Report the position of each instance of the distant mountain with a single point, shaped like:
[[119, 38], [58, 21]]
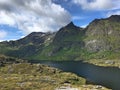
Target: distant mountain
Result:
[[99, 40], [26, 46]]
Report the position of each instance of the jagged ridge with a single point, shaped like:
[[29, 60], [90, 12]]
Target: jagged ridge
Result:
[[99, 40]]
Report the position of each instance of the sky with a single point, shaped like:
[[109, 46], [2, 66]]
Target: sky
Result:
[[19, 18]]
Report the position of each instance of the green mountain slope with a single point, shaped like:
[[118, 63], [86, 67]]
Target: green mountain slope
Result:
[[103, 38], [66, 44], [99, 40], [27, 46]]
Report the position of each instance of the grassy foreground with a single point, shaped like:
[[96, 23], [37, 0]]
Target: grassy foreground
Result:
[[18, 75], [24, 76]]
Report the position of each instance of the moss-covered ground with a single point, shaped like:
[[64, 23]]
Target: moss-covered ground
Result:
[[19, 75]]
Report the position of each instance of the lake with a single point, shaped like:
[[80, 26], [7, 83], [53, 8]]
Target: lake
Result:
[[106, 76]]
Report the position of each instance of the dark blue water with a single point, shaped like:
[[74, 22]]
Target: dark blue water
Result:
[[106, 76]]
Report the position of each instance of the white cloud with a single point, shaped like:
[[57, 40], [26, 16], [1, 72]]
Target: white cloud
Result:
[[33, 15], [98, 4], [6, 19], [3, 34], [113, 13]]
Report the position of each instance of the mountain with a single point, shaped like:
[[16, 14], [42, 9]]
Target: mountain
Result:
[[99, 40], [26, 46], [103, 37]]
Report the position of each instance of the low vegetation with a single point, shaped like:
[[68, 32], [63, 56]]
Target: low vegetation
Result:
[[26, 76]]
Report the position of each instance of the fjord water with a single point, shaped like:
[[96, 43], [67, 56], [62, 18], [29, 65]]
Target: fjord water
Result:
[[106, 76]]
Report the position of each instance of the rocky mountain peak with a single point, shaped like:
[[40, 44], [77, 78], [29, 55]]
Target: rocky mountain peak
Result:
[[103, 34], [68, 27], [70, 24], [115, 18], [36, 34]]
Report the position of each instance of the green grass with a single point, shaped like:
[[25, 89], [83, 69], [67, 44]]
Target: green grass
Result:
[[27, 76], [21, 75]]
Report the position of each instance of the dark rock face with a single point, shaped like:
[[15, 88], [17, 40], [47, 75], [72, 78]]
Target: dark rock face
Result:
[[115, 18], [66, 32], [68, 37], [35, 37]]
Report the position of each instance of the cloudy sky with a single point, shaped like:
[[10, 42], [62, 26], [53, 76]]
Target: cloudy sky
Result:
[[21, 17]]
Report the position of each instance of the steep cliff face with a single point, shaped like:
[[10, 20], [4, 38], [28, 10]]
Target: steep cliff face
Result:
[[101, 39], [66, 44], [103, 35], [68, 33], [68, 37]]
